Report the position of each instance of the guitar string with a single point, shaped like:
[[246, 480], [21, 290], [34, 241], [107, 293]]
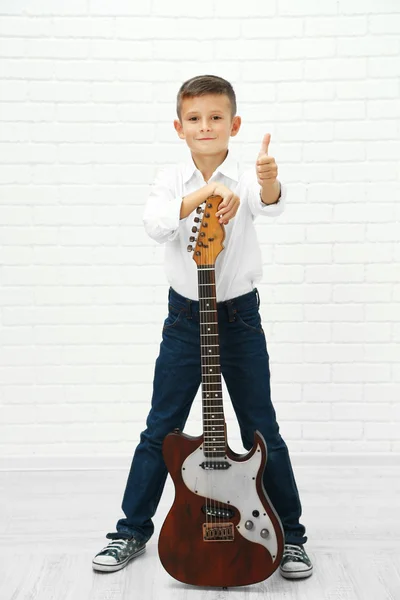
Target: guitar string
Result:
[[214, 331], [213, 428], [205, 292], [207, 289], [206, 407], [212, 441], [204, 385]]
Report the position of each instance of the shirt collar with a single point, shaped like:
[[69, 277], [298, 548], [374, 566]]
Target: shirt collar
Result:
[[229, 168]]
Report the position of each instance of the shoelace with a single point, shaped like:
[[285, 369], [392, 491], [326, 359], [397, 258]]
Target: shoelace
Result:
[[115, 546], [294, 552]]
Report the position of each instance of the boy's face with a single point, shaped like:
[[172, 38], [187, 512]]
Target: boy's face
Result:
[[206, 123]]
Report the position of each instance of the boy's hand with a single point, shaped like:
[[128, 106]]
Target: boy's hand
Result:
[[266, 167], [229, 205]]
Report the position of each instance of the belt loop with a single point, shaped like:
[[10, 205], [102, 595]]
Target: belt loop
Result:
[[231, 310], [258, 297], [188, 308]]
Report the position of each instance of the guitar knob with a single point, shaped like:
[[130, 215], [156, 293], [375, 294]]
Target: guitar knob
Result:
[[264, 533], [249, 525]]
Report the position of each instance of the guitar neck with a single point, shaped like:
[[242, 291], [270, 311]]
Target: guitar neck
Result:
[[211, 383]]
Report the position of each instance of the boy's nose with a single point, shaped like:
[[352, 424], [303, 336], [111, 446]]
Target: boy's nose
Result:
[[205, 125]]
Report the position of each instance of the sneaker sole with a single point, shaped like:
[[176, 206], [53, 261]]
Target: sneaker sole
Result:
[[111, 568], [296, 574]]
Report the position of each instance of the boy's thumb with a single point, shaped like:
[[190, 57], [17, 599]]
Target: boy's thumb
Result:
[[265, 144]]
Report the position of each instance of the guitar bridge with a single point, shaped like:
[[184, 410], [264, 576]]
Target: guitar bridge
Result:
[[218, 532]]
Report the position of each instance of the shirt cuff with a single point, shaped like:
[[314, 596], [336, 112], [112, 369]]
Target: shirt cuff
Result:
[[162, 223], [270, 210]]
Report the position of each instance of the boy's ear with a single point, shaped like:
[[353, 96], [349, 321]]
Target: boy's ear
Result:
[[179, 129], [236, 122]]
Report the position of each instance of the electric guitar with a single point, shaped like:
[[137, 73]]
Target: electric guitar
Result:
[[222, 529]]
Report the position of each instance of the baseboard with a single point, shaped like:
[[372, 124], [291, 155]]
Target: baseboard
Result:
[[115, 463]]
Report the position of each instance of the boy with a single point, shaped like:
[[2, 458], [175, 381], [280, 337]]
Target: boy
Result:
[[206, 109]]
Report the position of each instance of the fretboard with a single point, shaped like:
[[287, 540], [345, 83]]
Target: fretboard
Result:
[[211, 382]]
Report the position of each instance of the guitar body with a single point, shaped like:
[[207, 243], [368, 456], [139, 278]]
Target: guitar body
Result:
[[213, 533]]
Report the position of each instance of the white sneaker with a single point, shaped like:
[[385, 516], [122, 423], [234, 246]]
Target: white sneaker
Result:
[[295, 563], [117, 553]]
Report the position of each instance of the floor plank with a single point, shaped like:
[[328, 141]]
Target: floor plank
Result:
[[52, 523]]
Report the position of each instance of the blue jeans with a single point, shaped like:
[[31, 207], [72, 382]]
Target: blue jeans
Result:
[[245, 368]]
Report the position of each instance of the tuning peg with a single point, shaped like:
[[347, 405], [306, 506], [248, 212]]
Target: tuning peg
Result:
[[199, 210], [190, 248], [196, 220], [194, 229], [192, 238]]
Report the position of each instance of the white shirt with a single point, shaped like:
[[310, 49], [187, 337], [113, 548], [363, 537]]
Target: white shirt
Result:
[[238, 267]]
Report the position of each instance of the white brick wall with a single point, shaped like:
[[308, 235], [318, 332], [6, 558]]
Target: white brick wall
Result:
[[87, 101]]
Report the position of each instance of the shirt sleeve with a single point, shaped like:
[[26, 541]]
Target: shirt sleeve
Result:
[[161, 214], [257, 206]]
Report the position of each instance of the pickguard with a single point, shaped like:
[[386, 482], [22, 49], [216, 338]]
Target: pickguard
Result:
[[235, 486]]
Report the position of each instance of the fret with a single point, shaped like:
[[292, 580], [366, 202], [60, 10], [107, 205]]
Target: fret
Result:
[[206, 413], [213, 444]]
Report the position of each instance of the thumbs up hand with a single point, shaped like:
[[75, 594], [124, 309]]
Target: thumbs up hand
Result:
[[266, 167]]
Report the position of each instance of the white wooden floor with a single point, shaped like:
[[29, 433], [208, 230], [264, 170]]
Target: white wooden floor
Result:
[[53, 522]]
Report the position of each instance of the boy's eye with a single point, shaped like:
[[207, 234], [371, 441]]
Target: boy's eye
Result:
[[195, 118]]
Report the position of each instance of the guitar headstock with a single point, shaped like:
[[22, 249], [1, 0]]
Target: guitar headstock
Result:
[[210, 235]]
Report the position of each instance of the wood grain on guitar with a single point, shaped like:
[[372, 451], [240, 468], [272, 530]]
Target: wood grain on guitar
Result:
[[222, 529]]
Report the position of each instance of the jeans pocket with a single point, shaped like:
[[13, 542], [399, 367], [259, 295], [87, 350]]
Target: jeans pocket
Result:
[[250, 318], [174, 316]]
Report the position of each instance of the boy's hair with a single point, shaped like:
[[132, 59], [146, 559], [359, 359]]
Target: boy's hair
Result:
[[202, 85]]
